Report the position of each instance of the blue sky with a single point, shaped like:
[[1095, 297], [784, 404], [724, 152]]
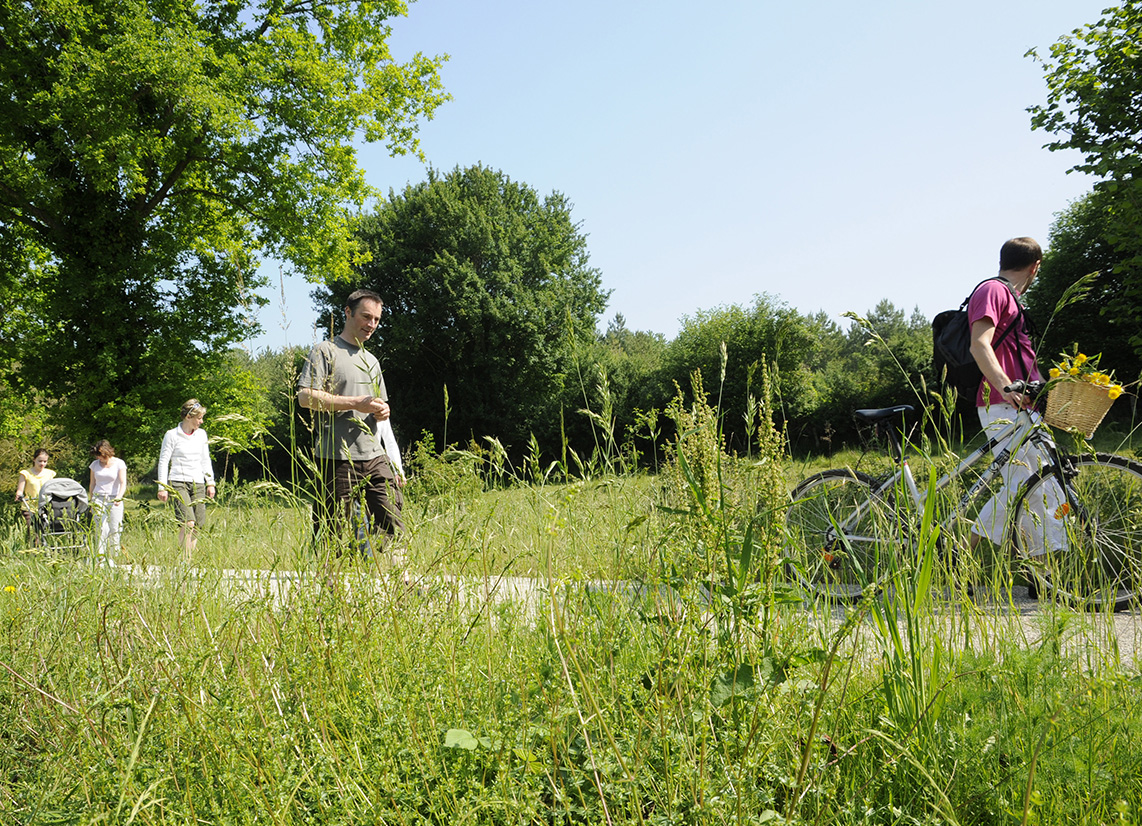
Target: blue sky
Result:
[[830, 154]]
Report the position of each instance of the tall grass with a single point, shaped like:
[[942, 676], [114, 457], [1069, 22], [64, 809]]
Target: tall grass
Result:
[[657, 667]]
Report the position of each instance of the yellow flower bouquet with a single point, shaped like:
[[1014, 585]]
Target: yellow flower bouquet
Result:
[[1079, 394]]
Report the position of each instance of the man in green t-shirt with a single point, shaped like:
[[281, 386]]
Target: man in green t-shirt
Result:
[[341, 384]]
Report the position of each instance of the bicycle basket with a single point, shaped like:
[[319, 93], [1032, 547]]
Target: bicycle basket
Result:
[[1077, 406]]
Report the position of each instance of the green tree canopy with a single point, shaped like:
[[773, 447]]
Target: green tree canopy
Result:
[[770, 332], [491, 295], [1094, 105], [884, 358], [630, 359], [617, 378], [1078, 245], [150, 152]]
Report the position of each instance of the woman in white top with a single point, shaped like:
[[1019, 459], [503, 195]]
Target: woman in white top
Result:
[[28, 487], [106, 489], [185, 471]]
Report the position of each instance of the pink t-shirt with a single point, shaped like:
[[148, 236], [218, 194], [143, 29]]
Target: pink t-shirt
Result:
[[995, 301]]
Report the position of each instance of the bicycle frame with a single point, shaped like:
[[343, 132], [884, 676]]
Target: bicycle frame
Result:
[[1019, 431], [1075, 521]]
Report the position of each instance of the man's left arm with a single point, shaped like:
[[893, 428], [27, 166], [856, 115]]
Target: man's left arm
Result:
[[982, 335]]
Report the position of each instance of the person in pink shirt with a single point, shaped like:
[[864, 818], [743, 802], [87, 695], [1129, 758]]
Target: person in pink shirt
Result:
[[993, 308]]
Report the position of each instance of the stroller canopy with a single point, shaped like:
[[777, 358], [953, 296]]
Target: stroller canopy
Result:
[[62, 489]]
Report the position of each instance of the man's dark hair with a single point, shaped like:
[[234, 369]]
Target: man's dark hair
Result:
[[358, 296], [1019, 254]]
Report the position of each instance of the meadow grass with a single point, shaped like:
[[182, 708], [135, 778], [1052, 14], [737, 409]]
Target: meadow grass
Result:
[[370, 693]]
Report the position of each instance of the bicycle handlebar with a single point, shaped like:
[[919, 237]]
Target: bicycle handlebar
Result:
[[1029, 388]]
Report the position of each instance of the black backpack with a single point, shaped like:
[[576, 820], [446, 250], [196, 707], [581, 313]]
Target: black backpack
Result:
[[951, 346]]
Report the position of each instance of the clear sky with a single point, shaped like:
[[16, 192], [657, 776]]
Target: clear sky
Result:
[[832, 154]]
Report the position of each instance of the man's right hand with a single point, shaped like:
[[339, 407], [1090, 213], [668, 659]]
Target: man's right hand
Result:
[[1018, 400]]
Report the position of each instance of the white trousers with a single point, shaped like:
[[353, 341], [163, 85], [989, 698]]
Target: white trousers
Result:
[[1042, 528], [109, 515]]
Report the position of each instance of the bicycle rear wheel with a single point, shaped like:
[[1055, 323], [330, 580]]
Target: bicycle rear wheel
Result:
[[841, 535], [1085, 546]]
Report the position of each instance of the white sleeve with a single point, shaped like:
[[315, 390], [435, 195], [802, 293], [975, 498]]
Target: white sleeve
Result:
[[389, 440], [165, 454], [207, 467]]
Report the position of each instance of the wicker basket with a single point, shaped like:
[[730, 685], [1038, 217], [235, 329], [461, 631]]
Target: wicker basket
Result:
[[1077, 406]]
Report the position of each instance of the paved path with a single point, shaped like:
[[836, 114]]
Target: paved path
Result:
[[1011, 617]]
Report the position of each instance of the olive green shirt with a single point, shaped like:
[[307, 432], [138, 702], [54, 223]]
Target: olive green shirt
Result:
[[337, 367]]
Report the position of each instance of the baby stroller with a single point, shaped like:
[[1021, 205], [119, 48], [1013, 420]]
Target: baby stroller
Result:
[[63, 515]]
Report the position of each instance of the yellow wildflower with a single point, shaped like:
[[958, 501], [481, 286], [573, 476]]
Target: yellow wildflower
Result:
[[1081, 367], [10, 589]]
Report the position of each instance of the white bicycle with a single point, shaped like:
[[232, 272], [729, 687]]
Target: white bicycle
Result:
[[1076, 524]]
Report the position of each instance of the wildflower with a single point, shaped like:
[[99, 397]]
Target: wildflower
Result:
[[9, 589], [1085, 368]]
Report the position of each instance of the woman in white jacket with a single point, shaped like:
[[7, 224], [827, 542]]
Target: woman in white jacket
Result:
[[186, 472]]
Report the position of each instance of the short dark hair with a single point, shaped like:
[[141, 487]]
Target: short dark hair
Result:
[[40, 450], [357, 296], [1019, 254]]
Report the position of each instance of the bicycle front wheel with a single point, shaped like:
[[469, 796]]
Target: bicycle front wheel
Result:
[[1084, 543], [841, 534]]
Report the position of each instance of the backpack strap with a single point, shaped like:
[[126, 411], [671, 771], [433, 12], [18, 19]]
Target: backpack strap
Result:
[[995, 342], [1021, 318]]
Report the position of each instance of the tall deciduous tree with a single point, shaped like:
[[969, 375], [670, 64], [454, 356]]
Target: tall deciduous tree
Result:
[[491, 297], [152, 150], [1094, 105]]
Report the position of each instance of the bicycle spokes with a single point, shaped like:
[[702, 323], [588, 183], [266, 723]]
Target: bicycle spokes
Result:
[[1087, 545]]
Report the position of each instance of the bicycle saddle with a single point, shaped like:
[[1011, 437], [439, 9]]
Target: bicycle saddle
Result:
[[881, 413]]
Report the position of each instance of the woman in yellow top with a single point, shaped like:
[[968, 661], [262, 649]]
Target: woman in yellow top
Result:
[[28, 486]]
